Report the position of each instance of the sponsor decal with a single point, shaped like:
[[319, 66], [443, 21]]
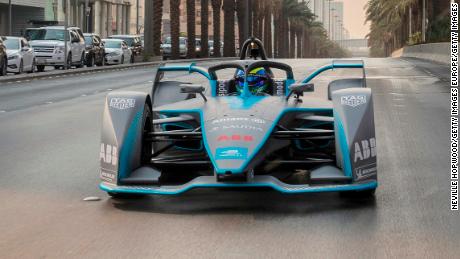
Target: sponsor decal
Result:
[[222, 89], [237, 153], [122, 103], [364, 149], [107, 175], [353, 100], [279, 88], [245, 138], [108, 154], [367, 171], [234, 127], [238, 119]]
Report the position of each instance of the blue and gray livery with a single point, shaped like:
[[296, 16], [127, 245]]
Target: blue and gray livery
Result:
[[185, 136]]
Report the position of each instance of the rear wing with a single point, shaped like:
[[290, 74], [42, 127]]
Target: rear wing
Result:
[[358, 64]]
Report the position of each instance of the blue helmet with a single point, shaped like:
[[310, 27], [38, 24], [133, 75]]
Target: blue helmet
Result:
[[257, 80]]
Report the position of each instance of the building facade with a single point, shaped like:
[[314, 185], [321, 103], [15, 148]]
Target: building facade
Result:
[[105, 17], [24, 13]]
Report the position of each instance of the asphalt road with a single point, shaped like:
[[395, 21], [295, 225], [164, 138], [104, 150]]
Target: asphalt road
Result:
[[49, 146]]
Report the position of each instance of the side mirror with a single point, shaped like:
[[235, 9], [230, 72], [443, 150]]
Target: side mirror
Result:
[[25, 49], [298, 89], [193, 89]]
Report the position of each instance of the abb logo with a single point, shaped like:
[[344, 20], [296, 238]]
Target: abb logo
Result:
[[246, 138]]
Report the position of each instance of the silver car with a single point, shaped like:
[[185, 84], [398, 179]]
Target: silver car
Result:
[[21, 56], [166, 47], [116, 51]]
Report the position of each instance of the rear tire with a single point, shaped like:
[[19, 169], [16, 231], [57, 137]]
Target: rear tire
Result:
[[40, 68], [90, 62], [102, 63]]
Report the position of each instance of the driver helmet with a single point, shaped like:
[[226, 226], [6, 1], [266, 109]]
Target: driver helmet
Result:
[[257, 80]]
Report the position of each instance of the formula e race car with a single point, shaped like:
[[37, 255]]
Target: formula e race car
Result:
[[250, 130]]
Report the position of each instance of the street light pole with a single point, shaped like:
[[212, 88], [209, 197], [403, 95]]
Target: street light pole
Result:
[[246, 21], [10, 18], [66, 33], [137, 17], [87, 11], [424, 21]]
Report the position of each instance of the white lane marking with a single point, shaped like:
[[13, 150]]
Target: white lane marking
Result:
[[109, 89], [150, 81], [400, 94], [49, 102], [398, 99], [83, 95], [2, 111], [399, 105]]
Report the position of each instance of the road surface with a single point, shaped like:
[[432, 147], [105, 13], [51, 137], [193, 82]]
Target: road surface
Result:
[[49, 147]]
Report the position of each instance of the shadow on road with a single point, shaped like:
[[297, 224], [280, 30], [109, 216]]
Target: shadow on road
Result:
[[247, 201]]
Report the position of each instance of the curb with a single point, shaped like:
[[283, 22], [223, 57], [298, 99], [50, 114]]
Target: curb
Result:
[[38, 75]]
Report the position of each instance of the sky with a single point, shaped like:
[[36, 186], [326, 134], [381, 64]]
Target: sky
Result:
[[354, 18]]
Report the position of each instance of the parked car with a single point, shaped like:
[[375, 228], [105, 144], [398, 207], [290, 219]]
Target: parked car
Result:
[[117, 51], [95, 50], [142, 40], [211, 47], [21, 56], [166, 47], [134, 43], [48, 44], [3, 58]]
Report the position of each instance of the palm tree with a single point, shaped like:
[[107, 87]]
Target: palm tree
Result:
[[229, 28], [204, 28], [156, 26], [191, 42], [175, 27], [216, 5], [268, 27], [241, 14]]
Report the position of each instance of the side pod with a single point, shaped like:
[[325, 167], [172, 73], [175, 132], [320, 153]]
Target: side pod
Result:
[[355, 133], [121, 137]]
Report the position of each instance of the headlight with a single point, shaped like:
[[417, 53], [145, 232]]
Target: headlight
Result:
[[197, 49], [59, 49], [13, 57]]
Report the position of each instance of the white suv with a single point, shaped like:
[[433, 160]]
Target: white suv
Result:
[[48, 43]]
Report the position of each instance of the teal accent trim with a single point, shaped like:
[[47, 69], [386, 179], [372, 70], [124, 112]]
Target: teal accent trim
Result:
[[257, 148], [126, 150], [191, 69], [344, 148], [239, 103], [213, 84], [329, 67], [167, 190]]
